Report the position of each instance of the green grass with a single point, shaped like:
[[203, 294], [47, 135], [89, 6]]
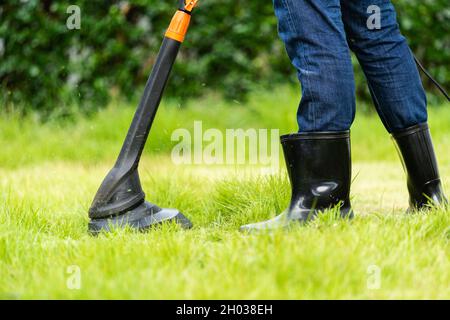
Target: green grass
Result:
[[49, 174]]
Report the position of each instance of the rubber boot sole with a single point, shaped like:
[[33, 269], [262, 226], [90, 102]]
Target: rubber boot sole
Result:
[[282, 221]]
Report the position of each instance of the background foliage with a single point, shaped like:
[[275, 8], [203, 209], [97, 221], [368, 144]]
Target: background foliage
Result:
[[232, 46]]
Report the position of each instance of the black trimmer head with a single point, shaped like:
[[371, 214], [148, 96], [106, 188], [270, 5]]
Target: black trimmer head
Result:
[[120, 200], [141, 218]]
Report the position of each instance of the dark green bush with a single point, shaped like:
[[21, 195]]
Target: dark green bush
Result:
[[232, 45]]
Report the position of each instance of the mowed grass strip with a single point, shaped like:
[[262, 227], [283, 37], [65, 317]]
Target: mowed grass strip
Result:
[[43, 233]]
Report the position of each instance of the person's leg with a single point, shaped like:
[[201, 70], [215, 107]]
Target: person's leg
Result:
[[397, 91], [318, 157], [387, 62], [314, 36]]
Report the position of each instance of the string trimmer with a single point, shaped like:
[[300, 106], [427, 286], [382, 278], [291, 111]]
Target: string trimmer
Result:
[[120, 200]]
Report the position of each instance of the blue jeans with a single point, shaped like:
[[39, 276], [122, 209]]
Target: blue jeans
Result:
[[319, 35]]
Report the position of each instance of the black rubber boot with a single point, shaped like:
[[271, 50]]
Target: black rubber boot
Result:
[[319, 168], [416, 151]]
